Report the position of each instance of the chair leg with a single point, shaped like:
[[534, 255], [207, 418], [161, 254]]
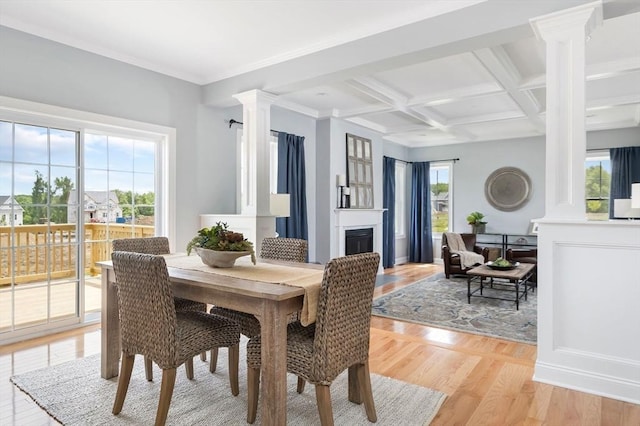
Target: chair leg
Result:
[[214, 360], [126, 367], [323, 399], [188, 365], [203, 356], [166, 392], [364, 379], [234, 359], [355, 395], [148, 368], [253, 392], [301, 383]]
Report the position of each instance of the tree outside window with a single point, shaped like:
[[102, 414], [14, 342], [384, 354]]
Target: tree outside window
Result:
[[597, 187]]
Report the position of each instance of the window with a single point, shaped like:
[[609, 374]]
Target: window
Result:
[[50, 167], [400, 207], [441, 208], [598, 184]]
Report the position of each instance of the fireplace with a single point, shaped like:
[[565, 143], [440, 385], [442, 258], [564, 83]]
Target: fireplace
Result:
[[358, 241], [353, 220]]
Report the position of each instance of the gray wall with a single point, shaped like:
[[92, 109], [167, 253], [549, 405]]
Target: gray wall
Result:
[[477, 162]]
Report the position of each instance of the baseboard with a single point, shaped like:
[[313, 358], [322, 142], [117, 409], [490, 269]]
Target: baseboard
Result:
[[584, 381]]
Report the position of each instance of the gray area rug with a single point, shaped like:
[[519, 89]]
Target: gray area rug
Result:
[[74, 394], [442, 303]]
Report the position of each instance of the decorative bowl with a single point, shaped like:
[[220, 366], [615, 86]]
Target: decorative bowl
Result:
[[502, 268], [219, 259]]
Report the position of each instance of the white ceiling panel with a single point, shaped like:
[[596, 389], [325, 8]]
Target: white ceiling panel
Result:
[[481, 106], [439, 78]]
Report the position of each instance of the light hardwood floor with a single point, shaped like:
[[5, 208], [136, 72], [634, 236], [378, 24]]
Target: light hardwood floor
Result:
[[488, 381]]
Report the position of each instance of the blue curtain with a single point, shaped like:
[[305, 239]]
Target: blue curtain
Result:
[[292, 181], [625, 170], [389, 216], [420, 245]]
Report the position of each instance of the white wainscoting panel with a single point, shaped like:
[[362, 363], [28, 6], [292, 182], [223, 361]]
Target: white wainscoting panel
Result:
[[589, 307]]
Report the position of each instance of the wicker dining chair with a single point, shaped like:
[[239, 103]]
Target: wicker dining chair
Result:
[[150, 325], [338, 340], [158, 245], [286, 249]]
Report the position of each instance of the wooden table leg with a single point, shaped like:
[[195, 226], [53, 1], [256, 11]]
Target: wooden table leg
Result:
[[273, 386], [110, 333]]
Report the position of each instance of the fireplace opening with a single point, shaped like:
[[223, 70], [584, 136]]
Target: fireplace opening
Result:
[[358, 241]]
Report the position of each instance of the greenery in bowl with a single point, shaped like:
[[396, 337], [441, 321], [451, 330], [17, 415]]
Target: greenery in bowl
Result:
[[219, 238], [475, 218]]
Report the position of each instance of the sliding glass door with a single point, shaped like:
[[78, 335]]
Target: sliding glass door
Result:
[[40, 259], [65, 195]]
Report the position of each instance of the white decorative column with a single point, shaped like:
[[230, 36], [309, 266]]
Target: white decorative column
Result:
[[586, 307], [255, 220], [256, 117], [565, 33]]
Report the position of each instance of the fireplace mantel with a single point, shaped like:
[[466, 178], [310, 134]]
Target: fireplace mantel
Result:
[[355, 219]]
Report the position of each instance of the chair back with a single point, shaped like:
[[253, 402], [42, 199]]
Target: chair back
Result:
[[343, 319], [468, 239], [149, 245], [145, 302], [288, 249]]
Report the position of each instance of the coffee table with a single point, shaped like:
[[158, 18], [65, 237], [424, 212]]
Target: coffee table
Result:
[[507, 281]]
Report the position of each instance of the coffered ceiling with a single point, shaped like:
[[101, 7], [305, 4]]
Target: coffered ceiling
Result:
[[422, 73]]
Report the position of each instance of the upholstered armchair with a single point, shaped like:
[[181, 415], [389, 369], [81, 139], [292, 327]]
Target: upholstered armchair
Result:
[[452, 265]]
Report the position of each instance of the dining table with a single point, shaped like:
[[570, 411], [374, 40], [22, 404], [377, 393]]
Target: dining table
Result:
[[270, 290]]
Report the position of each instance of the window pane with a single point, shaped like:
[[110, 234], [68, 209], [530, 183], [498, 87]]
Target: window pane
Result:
[[597, 186], [31, 144], [439, 180], [400, 174], [144, 156], [120, 154], [95, 152], [6, 144], [63, 147]]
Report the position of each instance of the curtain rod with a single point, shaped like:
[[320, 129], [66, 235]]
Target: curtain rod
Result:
[[430, 161], [232, 122]]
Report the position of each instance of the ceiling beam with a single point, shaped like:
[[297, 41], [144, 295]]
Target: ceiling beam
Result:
[[497, 61]]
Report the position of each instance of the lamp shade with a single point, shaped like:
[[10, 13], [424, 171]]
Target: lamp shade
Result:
[[635, 195], [279, 205], [622, 209]]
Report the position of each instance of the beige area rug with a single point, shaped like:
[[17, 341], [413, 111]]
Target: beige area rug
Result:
[[74, 394]]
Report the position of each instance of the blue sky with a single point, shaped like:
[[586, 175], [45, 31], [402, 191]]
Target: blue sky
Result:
[[110, 162]]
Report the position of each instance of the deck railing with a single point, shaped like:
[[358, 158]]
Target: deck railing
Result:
[[34, 253]]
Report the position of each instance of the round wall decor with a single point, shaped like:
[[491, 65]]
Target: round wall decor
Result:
[[507, 189]]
